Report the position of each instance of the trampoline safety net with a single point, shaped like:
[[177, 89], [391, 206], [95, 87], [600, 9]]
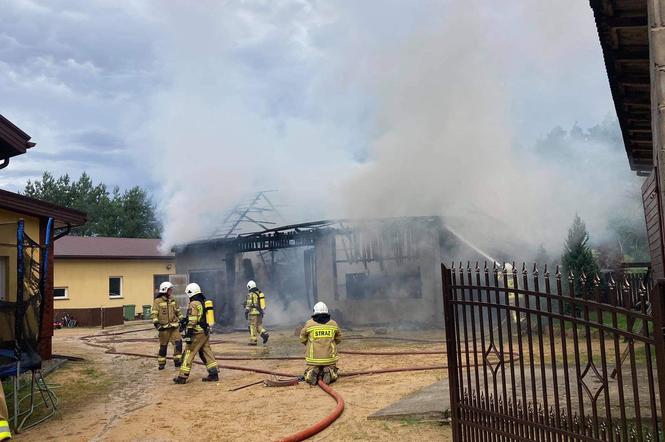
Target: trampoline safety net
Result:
[[21, 316]]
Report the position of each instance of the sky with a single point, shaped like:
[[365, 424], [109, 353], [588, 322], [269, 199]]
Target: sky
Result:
[[201, 102]]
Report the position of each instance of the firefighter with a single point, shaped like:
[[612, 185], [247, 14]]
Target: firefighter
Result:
[[516, 319], [5, 434], [166, 318], [255, 306], [321, 335], [197, 337]]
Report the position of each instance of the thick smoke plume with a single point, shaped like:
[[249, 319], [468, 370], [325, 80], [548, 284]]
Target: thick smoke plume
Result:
[[370, 109], [448, 147]]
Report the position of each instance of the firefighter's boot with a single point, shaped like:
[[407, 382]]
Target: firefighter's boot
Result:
[[334, 373], [213, 376], [265, 336], [180, 380], [161, 358], [327, 376], [311, 375]]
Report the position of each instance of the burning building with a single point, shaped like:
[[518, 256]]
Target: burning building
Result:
[[369, 272]]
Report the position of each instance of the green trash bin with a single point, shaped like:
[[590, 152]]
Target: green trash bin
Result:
[[129, 312], [146, 311]]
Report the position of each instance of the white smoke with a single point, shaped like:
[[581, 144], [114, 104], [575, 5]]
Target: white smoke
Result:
[[379, 109], [235, 114], [448, 144]]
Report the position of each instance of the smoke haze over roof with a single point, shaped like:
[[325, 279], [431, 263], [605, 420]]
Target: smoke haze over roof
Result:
[[349, 108]]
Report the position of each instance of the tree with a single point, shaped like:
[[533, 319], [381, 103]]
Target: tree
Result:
[[137, 215], [542, 258], [631, 237], [129, 214], [577, 255]]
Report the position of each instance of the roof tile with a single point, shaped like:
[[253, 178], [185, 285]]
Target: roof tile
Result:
[[104, 247]]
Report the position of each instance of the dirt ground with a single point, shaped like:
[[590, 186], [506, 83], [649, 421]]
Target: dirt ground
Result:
[[123, 398]]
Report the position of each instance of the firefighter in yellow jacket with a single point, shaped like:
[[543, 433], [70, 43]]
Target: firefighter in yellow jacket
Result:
[[5, 434], [197, 337], [321, 335], [255, 306], [166, 318]]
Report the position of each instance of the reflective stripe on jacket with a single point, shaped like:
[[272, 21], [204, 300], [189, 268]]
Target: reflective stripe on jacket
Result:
[[165, 312], [194, 315], [255, 303], [321, 341]]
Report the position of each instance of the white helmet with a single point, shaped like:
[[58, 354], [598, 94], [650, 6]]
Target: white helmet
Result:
[[165, 286], [192, 289], [320, 307], [251, 285]]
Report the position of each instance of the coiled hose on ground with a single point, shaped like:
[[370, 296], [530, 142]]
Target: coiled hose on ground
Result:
[[318, 426]]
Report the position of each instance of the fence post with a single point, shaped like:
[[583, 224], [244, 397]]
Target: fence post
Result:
[[658, 311], [451, 349]]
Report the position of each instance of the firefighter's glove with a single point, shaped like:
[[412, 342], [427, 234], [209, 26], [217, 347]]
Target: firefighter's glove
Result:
[[183, 324], [246, 314], [188, 336], [156, 324]]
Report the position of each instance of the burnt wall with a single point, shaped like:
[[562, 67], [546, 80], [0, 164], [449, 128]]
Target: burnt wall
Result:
[[398, 284], [381, 271], [214, 269]]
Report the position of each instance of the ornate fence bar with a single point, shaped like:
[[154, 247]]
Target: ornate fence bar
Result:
[[540, 356]]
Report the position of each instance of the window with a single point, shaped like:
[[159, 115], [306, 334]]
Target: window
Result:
[[115, 287], [356, 286], [405, 284], [60, 293], [158, 279]]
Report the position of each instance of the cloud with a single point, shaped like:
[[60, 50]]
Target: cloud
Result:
[[68, 73], [99, 138], [205, 101]]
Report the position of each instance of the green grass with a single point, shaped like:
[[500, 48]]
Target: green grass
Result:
[[73, 384], [607, 320]]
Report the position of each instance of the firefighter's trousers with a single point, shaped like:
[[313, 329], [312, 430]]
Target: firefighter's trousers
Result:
[[329, 373], [255, 328], [171, 335], [517, 320], [4, 417], [200, 345]]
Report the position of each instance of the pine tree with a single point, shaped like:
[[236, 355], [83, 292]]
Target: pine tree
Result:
[[577, 255], [542, 258]]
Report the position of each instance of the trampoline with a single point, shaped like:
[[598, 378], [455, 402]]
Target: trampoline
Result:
[[20, 324]]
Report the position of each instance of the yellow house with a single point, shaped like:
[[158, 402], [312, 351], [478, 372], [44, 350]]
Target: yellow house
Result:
[[95, 277]]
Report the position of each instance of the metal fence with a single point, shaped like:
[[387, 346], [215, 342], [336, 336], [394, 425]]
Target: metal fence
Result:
[[540, 356]]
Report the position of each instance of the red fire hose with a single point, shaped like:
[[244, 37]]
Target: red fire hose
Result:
[[392, 353], [323, 423]]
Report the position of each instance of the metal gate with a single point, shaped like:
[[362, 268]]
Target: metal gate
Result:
[[535, 356]]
